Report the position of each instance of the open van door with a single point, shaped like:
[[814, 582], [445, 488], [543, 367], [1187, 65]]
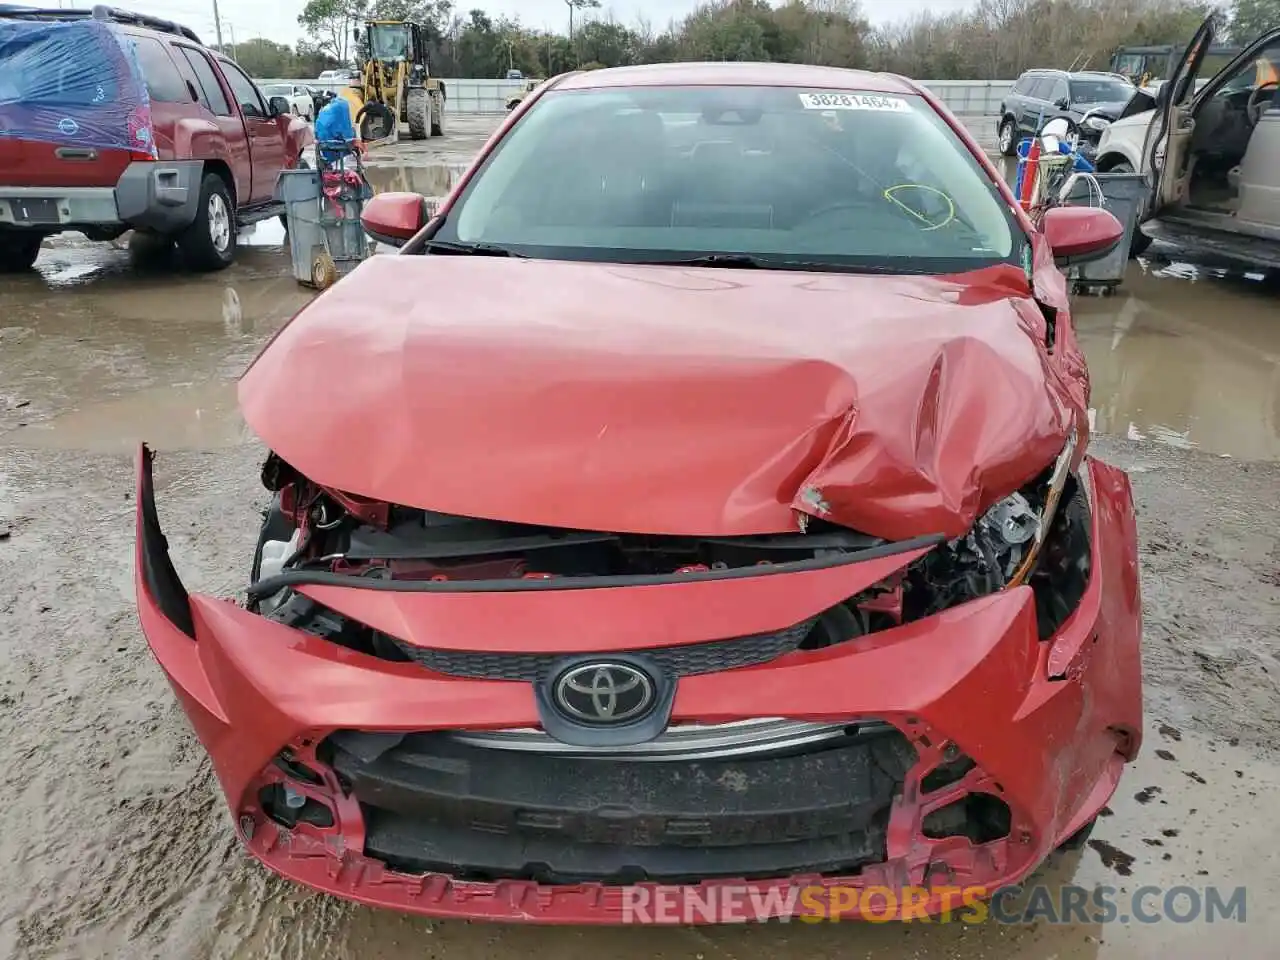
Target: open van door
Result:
[[1168, 140]]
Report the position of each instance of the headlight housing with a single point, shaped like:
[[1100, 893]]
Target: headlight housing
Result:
[[1097, 123], [1006, 547]]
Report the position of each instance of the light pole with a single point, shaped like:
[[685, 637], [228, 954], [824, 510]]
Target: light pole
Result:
[[577, 5], [217, 24]]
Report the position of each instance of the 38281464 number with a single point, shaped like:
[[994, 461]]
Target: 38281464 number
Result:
[[853, 101]]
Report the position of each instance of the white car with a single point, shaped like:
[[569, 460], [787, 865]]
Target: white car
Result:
[[335, 76], [300, 102]]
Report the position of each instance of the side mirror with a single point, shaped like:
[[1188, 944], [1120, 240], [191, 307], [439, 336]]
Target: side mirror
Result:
[[279, 106], [393, 218], [1080, 234], [1062, 103]]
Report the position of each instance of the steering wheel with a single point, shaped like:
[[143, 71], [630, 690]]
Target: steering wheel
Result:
[[1253, 108], [835, 217]]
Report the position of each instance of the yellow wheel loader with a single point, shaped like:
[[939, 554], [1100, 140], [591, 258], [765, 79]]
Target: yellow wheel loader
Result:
[[395, 85]]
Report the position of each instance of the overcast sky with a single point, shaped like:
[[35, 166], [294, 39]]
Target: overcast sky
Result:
[[278, 20]]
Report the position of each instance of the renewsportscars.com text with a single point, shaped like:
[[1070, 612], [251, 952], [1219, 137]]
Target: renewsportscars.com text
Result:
[[970, 905]]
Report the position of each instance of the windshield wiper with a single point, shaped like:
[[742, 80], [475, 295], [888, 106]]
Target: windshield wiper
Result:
[[469, 249], [768, 263], [716, 260]]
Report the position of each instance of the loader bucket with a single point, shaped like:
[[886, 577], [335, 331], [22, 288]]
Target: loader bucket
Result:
[[354, 95]]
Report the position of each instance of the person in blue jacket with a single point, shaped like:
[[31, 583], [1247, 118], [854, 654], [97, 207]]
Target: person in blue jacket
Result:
[[333, 123]]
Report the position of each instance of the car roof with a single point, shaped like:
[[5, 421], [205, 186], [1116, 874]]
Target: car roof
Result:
[[737, 74], [114, 17]]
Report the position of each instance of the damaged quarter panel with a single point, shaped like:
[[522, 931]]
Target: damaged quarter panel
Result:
[[662, 399]]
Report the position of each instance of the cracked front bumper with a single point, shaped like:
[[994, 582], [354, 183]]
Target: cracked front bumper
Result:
[[1045, 728]]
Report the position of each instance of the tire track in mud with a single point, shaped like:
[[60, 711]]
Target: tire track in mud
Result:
[[119, 844]]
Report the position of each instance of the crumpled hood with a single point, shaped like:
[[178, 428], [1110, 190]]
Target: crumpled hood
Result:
[[1109, 110], [664, 399]]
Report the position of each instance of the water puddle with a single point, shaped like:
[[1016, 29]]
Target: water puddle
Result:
[[265, 233], [1188, 361], [433, 181], [86, 352], [184, 416]]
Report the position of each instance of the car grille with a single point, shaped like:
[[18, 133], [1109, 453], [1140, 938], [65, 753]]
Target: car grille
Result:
[[681, 661], [684, 741], [433, 804]]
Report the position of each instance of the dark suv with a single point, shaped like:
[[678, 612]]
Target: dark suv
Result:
[[1042, 95]]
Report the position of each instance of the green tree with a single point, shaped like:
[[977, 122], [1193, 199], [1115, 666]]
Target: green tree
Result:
[[311, 61], [266, 58], [578, 5], [1251, 18], [606, 43], [329, 23], [434, 15], [990, 39]]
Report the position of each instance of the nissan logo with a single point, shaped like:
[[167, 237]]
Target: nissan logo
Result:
[[604, 693]]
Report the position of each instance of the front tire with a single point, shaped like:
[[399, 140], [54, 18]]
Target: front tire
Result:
[[18, 251], [210, 242], [1007, 138], [418, 108], [437, 115], [1139, 242]]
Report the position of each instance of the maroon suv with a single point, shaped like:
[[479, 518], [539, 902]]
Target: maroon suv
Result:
[[112, 121]]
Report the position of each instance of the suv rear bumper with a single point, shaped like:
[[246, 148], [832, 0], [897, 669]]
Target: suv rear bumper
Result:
[[149, 195]]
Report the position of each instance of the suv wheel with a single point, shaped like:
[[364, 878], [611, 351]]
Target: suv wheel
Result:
[[1008, 139], [210, 242], [18, 251]]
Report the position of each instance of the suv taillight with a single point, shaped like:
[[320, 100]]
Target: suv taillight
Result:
[[140, 135]]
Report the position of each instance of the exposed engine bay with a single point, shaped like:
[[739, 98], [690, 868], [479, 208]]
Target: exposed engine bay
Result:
[[313, 534]]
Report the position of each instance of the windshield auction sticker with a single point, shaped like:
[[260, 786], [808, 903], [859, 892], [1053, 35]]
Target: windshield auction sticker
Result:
[[853, 101]]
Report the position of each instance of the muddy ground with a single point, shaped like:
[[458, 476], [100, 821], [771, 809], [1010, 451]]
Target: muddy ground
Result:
[[118, 845]]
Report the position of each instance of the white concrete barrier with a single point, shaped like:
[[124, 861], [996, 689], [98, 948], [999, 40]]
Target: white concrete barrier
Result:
[[479, 95]]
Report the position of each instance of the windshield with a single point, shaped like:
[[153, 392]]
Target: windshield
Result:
[[278, 90], [791, 177], [389, 42], [1100, 91]]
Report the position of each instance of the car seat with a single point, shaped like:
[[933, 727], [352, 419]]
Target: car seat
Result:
[[722, 188], [1258, 177], [612, 175]]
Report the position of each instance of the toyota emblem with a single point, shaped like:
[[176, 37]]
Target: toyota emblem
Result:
[[604, 693]]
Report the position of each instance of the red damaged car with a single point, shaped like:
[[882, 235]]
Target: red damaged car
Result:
[[698, 501]]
